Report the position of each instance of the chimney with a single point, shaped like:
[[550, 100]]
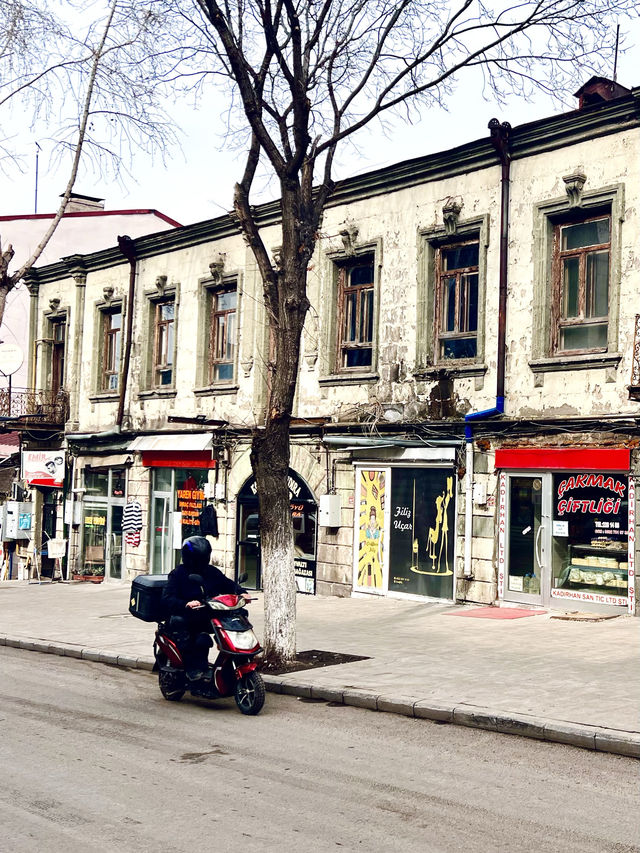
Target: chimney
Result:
[[598, 90], [83, 203]]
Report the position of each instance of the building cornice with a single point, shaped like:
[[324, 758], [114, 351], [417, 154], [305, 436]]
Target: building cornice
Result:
[[526, 140]]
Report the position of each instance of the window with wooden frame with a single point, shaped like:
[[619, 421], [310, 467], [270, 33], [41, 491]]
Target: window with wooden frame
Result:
[[222, 334], [164, 341], [456, 303], [355, 314], [111, 320], [581, 272], [58, 352]]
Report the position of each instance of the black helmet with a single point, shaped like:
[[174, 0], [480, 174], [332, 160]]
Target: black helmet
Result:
[[196, 552]]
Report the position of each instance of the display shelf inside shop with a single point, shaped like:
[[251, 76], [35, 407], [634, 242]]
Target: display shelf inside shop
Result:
[[598, 565]]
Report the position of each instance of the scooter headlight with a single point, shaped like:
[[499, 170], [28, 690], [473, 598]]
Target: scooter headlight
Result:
[[242, 640]]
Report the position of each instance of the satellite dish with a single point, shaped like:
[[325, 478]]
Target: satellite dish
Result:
[[11, 358]]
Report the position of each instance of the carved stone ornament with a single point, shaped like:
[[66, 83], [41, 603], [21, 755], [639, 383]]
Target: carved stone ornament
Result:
[[33, 286], [76, 268], [161, 283], [107, 291], [349, 234], [311, 358], [246, 365], [54, 303], [574, 185], [217, 267], [450, 215]]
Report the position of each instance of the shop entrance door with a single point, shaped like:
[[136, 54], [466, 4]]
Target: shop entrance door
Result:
[[248, 559], [304, 516], [115, 542], [528, 538], [162, 552]]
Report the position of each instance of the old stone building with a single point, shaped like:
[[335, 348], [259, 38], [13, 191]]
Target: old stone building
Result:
[[465, 424]]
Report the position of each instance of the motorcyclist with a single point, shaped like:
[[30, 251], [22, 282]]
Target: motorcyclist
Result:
[[182, 599]]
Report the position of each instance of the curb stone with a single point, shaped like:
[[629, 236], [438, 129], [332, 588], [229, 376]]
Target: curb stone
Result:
[[426, 709], [571, 734], [596, 738], [360, 699], [403, 705], [330, 694]]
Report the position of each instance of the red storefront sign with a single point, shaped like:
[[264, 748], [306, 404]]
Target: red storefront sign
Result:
[[565, 458], [178, 459]]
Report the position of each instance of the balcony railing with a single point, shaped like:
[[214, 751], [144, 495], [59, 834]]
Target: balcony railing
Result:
[[28, 407]]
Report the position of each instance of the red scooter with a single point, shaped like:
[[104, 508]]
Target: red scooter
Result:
[[233, 673]]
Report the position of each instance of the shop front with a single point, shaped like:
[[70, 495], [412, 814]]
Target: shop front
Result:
[[179, 489], [44, 471], [102, 511], [404, 530], [304, 515], [566, 528]]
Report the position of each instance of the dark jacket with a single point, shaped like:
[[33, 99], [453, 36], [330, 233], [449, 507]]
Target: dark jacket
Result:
[[179, 589], [209, 521]]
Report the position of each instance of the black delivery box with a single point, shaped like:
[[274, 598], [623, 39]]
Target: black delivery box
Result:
[[146, 597]]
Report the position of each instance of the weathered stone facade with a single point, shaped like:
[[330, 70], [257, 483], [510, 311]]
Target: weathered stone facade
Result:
[[403, 407]]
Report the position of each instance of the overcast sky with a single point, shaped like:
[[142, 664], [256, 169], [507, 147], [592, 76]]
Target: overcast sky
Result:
[[197, 182]]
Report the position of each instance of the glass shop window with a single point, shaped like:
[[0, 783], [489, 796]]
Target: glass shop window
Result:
[[590, 533]]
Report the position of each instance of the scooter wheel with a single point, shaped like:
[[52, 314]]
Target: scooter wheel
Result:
[[250, 693], [172, 685]]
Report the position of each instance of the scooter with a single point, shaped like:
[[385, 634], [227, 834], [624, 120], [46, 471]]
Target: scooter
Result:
[[233, 673]]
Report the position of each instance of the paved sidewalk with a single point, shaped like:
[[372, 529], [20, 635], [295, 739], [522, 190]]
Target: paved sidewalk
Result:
[[565, 681]]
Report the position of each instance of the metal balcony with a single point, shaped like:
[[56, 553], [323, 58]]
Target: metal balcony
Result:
[[27, 407]]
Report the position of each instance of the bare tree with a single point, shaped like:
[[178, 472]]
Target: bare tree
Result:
[[100, 89], [311, 73]]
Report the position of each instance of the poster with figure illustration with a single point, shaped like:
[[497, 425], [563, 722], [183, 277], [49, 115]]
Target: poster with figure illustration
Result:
[[422, 531], [371, 534]]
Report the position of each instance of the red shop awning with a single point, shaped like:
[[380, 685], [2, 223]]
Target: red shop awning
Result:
[[565, 458]]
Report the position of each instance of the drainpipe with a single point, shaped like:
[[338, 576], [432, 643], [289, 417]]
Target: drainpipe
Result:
[[500, 141], [76, 268], [128, 249]]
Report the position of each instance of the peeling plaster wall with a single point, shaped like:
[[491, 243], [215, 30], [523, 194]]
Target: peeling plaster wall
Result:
[[393, 221], [393, 224], [606, 162]]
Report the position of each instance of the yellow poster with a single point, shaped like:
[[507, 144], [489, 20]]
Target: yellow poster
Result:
[[371, 533]]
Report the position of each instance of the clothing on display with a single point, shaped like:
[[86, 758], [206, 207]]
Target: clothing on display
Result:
[[209, 521]]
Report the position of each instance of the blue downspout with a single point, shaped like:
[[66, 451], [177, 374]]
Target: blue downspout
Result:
[[498, 409], [500, 141]]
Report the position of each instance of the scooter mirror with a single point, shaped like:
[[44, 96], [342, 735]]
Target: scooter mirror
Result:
[[242, 578]]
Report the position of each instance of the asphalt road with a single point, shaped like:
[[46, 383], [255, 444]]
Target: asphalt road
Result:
[[93, 759]]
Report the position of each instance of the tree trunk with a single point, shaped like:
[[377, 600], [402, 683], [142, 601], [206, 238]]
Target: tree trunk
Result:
[[270, 461], [286, 304], [4, 290], [6, 281]]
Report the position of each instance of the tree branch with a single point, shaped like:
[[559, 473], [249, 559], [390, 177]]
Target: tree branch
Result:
[[76, 160]]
